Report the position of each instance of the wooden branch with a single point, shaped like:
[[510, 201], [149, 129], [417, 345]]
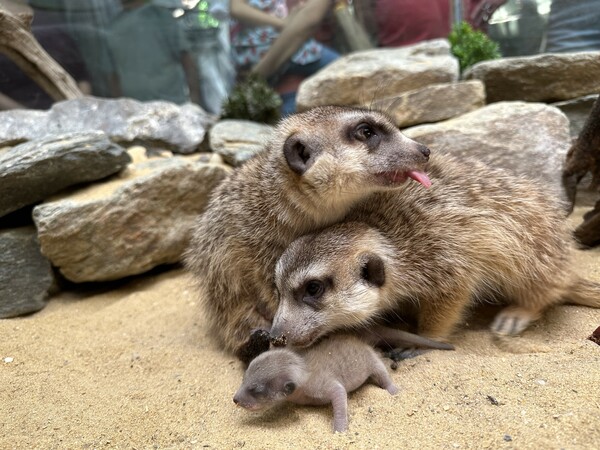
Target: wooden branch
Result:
[[584, 154], [18, 43], [584, 157]]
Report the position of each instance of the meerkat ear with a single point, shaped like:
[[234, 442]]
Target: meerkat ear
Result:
[[289, 387], [299, 154], [372, 269]]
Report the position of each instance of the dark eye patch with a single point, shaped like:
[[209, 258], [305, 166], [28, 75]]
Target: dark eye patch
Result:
[[369, 133], [258, 391], [312, 291]]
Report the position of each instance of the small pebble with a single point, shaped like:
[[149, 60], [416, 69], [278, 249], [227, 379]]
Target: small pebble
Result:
[[507, 438], [8, 359], [541, 382], [493, 401]]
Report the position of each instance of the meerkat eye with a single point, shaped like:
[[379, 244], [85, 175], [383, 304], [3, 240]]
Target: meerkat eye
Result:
[[289, 387], [258, 391], [363, 132], [311, 291], [314, 288]]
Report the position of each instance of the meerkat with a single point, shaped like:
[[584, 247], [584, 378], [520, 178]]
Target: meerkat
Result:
[[322, 374], [477, 233], [316, 167]]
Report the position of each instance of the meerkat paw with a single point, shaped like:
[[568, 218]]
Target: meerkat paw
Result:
[[392, 389], [257, 343], [399, 354], [513, 320]]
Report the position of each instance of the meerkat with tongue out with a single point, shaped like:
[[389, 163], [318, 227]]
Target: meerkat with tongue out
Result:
[[477, 233], [317, 166]]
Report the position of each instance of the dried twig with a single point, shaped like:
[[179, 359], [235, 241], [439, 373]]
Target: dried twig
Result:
[[18, 43]]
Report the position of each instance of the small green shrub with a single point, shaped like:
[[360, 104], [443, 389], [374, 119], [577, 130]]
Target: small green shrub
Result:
[[471, 46], [253, 99]]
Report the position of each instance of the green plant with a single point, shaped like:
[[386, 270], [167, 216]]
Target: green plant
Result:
[[471, 46], [253, 99]]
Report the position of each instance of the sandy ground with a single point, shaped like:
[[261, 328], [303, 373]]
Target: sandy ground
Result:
[[134, 366]]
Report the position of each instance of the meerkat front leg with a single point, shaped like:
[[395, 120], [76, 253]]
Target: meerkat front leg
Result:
[[513, 320], [439, 316]]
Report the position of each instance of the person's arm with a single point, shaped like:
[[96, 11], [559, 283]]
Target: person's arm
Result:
[[243, 12], [191, 75], [365, 13], [482, 10], [299, 27]]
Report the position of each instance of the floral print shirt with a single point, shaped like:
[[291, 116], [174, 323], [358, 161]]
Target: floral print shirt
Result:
[[250, 43]]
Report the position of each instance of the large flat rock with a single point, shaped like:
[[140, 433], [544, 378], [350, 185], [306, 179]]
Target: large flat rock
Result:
[[577, 110], [528, 139], [540, 78], [433, 103], [238, 140], [179, 128], [129, 224], [25, 274], [367, 76], [35, 170]]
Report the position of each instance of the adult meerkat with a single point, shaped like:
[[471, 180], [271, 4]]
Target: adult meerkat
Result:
[[476, 233], [316, 167], [319, 375]]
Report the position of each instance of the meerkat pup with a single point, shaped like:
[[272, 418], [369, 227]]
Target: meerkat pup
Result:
[[319, 375], [477, 233], [316, 167]]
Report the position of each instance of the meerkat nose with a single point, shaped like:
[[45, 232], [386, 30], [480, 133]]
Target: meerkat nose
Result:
[[424, 150], [235, 400]]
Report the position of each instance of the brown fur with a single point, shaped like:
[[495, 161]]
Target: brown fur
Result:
[[477, 233], [319, 375], [263, 206]]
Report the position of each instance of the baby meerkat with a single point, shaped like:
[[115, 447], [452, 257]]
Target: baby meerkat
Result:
[[318, 375], [317, 166], [476, 233]]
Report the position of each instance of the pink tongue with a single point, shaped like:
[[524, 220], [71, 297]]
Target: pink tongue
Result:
[[419, 177]]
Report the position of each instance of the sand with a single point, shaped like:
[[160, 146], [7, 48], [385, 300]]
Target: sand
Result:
[[132, 365]]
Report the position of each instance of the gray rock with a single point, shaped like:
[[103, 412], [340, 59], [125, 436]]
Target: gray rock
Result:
[[577, 110], [133, 222], [25, 274], [238, 140], [179, 128], [363, 77], [529, 139], [540, 78], [433, 103], [35, 170]]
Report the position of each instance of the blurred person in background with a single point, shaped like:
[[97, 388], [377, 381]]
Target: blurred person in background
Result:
[[256, 27], [395, 23], [87, 23], [573, 26], [150, 55]]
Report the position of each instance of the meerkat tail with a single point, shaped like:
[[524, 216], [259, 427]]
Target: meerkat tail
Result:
[[585, 293]]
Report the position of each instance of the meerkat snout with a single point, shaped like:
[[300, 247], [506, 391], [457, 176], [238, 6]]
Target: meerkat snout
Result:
[[300, 153], [424, 150]]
